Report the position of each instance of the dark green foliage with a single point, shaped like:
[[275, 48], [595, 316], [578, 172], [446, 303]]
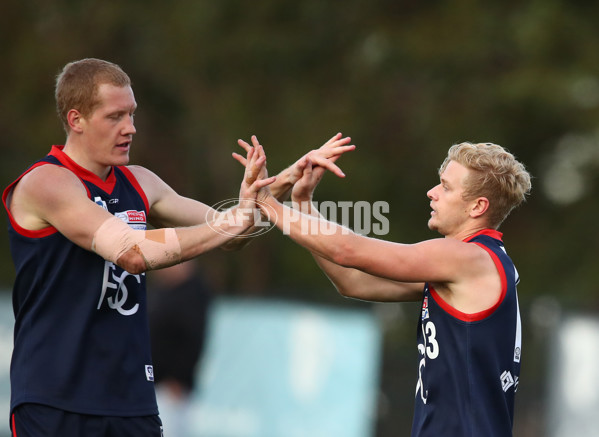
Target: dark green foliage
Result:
[[405, 79]]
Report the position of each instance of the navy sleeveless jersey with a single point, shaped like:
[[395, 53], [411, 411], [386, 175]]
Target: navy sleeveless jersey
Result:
[[81, 337], [469, 363]]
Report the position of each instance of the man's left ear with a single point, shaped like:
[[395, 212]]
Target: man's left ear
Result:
[[480, 206], [74, 119]]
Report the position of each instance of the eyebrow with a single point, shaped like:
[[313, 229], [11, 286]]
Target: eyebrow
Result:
[[120, 111]]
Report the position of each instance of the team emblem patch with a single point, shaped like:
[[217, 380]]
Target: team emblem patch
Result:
[[425, 308], [149, 372], [507, 381]]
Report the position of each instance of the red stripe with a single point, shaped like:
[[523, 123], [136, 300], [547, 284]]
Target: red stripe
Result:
[[39, 233], [136, 185], [83, 173], [14, 430], [475, 317], [493, 233]]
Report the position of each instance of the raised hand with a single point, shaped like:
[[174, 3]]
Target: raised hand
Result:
[[255, 177], [304, 187], [255, 145], [324, 157]]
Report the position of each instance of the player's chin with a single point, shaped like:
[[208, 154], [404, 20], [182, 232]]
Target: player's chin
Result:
[[121, 156], [432, 225], [121, 161]]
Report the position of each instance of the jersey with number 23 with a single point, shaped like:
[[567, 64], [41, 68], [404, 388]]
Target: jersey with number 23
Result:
[[469, 364]]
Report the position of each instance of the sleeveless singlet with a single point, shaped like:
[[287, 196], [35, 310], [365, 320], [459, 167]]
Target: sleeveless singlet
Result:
[[81, 337], [469, 363]]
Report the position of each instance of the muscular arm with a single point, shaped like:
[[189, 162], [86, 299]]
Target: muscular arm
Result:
[[354, 283], [350, 282], [370, 269], [170, 209], [379, 270], [53, 196], [167, 207]]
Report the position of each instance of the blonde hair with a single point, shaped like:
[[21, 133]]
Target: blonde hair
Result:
[[495, 174], [77, 85]]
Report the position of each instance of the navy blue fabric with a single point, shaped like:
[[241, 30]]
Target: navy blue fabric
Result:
[[81, 332], [469, 365], [35, 420]]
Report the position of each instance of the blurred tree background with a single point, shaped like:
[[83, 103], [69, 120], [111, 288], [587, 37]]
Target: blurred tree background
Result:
[[404, 79]]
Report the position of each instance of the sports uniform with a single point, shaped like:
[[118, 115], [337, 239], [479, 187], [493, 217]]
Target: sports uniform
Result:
[[469, 363], [81, 334]]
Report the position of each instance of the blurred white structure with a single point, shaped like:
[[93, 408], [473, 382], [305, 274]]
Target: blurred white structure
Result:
[[290, 369], [573, 408]]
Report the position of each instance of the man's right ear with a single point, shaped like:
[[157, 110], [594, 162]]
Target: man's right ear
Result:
[[75, 120]]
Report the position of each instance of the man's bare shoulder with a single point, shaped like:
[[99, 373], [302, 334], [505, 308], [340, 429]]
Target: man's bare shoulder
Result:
[[153, 186], [450, 248], [451, 260], [42, 189], [475, 285], [47, 183], [141, 172]]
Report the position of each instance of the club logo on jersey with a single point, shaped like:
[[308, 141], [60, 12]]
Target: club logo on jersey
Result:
[[99, 201], [117, 282], [507, 381], [425, 308], [115, 291], [135, 219], [149, 372]]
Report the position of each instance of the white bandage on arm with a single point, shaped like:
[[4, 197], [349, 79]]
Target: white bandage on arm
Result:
[[157, 247]]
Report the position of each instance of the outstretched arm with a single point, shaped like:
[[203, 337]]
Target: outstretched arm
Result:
[[219, 229], [350, 282], [52, 196], [463, 274], [444, 261]]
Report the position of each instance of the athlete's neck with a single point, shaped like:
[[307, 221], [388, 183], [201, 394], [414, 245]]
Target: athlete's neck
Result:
[[78, 155]]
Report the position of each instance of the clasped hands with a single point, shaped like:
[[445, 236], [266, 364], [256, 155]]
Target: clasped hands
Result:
[[301, 178]]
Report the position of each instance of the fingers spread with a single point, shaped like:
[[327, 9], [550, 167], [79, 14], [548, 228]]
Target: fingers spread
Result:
[[333, 168], [333, 139], [261, 183], [239, 158], [335, 142], [255, 161], [329, 164], [245, 145]]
